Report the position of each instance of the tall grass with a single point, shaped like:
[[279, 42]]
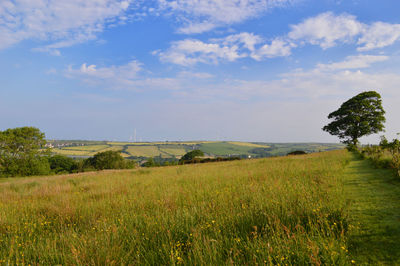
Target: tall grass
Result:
[[268, 211]]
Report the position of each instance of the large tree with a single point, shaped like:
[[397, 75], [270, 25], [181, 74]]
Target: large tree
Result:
[[23, 152], [360, 116]]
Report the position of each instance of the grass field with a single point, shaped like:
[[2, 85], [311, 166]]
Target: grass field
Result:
[[91, 148], [287, 210], [67, 152], [375, 210], [145, 151], [177, 152], [248, 144], [225, 148]]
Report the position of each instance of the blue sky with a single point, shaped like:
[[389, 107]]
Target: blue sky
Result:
[[249, 70]]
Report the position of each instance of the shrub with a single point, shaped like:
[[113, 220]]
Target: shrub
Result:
[[396, 163], [191, 155], [108, 160], [150, 163], [63, 164], [352, 147], [376, 154], [297, 153]]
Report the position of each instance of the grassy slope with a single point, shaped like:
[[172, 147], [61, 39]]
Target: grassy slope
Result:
[[375, 209], [280, 210], [268, 211]]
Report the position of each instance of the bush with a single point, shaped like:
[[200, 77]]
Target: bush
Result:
[[150, 163], [386, 155], [297, 153], [352, 147], [396, 163], [108, 160], [63, 164], [191, 155]]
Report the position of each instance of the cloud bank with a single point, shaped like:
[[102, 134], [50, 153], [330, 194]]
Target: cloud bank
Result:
[[62, 23], [199, 16], [326, 30]]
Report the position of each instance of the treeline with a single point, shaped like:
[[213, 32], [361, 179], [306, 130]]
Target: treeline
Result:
[[60, 164], [23, 152], [191, 157], [384, 155]]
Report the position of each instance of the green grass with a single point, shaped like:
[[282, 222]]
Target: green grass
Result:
[[145, 151], [288, 211], [375, 210], [71, 152], [91, 148], [225, 148], [177, 152], [248, 144]]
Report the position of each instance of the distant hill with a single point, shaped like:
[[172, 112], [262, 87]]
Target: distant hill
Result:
[[142, 150]]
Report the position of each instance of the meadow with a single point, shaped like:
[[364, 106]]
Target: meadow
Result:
[[284, 210]]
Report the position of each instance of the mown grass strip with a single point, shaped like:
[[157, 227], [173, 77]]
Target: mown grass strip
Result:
[[375, 210]]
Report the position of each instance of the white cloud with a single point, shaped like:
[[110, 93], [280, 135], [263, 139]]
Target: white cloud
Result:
[[328, 30], [233, 47], [189, 52], [192, 28], [248, 40], [61, 23], [278, 47], [116, 76], [379, 35], [126, 77], [354, 62], [203, 15], [51, 71], [195, 75]]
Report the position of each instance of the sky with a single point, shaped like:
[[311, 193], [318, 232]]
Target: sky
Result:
[[245, 70]]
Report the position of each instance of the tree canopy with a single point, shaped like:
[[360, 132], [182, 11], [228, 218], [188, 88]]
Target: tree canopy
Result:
[[23, 152], [359, 116], [108, 160], [63, 164]]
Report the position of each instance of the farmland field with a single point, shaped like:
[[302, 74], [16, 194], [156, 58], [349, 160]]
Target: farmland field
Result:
[[177, 149], [145, 151]]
